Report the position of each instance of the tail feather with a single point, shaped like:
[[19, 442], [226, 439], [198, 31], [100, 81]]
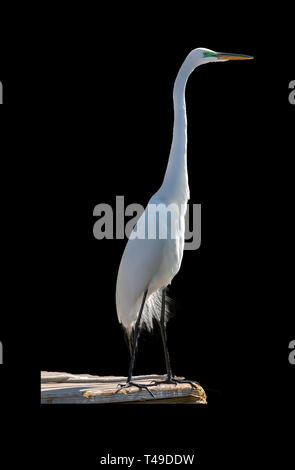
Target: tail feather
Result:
[[153, 308], [152, 311]]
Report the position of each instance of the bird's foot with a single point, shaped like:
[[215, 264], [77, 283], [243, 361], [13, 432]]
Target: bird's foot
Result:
[[133, 384], [173, 380]]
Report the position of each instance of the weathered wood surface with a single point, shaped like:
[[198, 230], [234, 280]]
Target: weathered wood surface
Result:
[[62, 387]]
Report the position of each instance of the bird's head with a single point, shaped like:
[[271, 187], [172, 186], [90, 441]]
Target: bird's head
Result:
[[201, 55]]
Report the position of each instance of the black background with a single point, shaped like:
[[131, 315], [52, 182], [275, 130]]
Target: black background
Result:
[[89, 116]]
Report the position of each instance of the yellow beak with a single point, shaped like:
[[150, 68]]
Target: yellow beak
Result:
[[227, 56]]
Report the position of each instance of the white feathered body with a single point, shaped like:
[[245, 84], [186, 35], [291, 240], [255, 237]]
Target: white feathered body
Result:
[[149, 263]]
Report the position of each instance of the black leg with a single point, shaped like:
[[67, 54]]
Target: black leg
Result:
[[164, 335], [129, 382], [170, 379], [135, 337]]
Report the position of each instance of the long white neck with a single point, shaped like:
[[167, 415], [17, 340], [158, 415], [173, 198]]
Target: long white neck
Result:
[[175, 185]]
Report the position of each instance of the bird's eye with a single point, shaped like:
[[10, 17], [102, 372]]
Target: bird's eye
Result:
[[205, 54]]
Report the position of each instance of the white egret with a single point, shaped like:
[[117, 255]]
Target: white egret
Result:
[[150, 261]]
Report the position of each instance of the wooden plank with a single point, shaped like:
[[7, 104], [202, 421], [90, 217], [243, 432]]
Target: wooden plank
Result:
[[65, 377], [65, 388]]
